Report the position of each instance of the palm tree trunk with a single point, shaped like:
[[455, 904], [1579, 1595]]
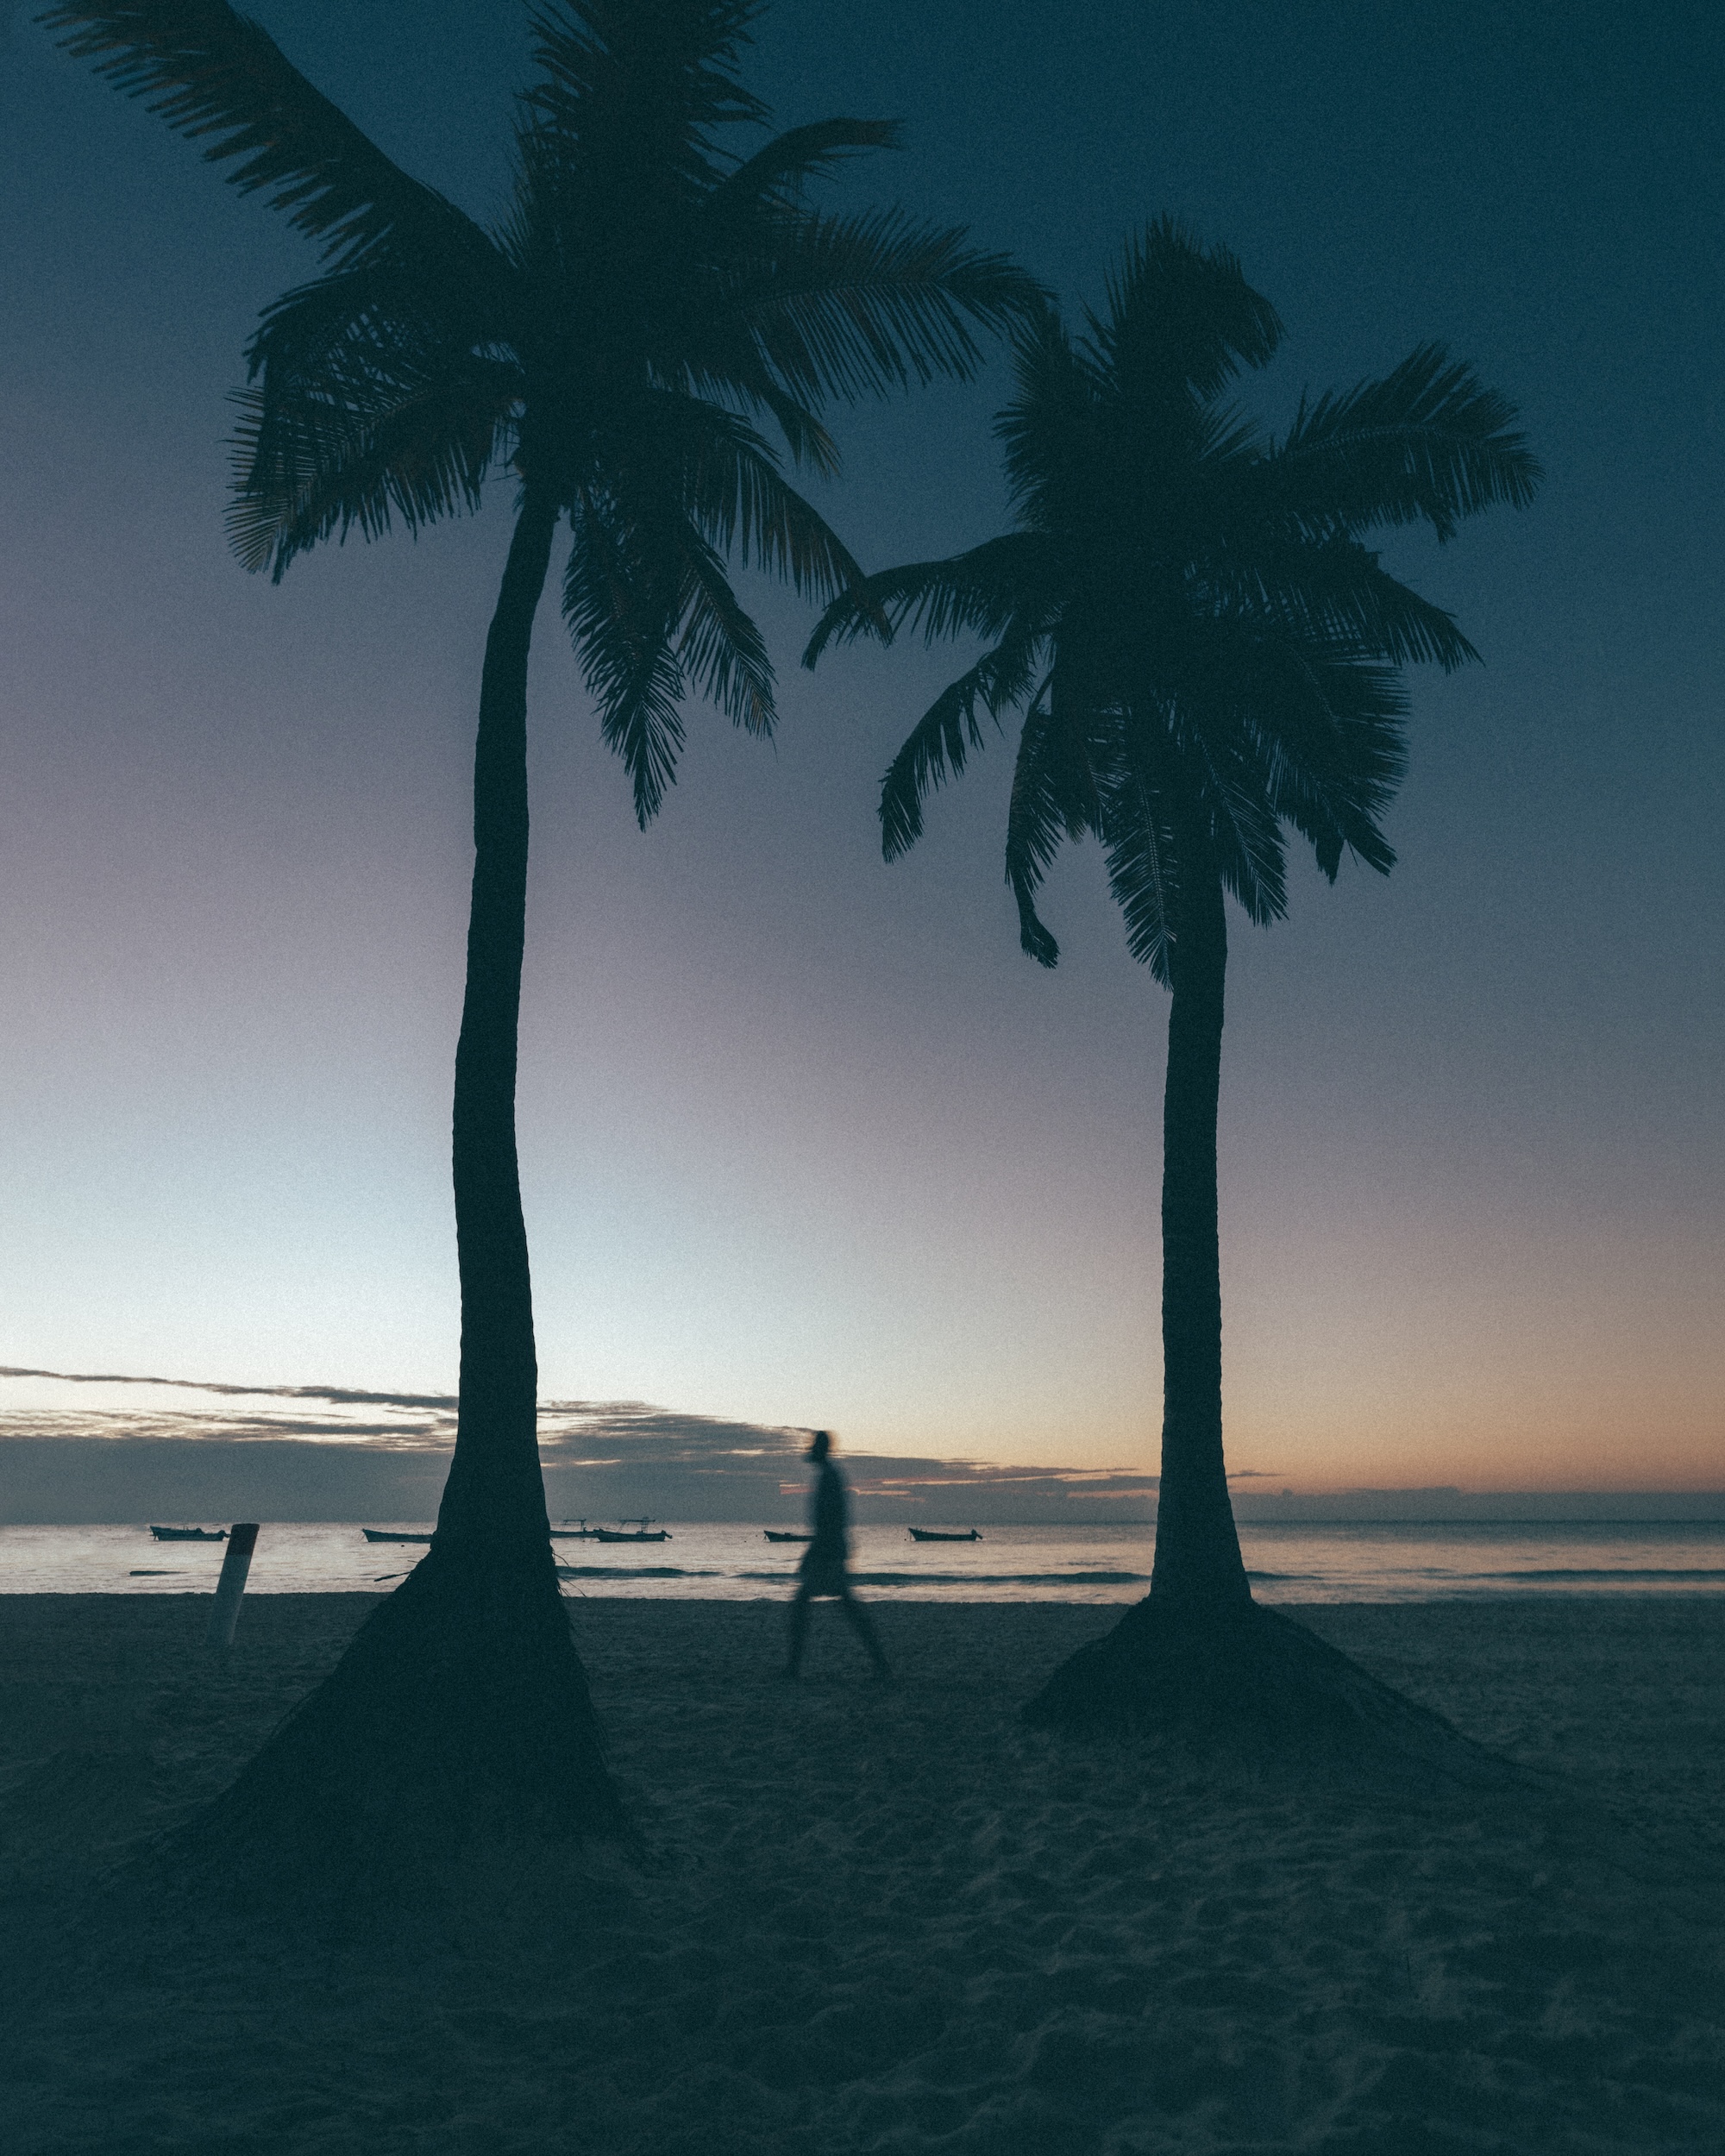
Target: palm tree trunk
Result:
[[1198, 1658], [495, 1494], [1182, 1654], [1197, 1550], [460, 1707]]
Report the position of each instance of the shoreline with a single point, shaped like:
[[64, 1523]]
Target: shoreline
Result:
[[886, 1921], [1288, 1565]]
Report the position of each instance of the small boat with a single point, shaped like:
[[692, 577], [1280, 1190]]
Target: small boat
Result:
[[774, 1535], [580, 1532], [934, 1534], [190, 1534], [636, 1534], [388, 1534]]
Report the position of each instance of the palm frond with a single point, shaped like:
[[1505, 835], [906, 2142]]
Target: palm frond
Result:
[[1428, 443], [1244, 833], [620, 600], [720, 650], [981, 592], [646, 597], [1139, 849], [1333, 747], [1055, 796], [940, 740], [1048, 433], [371, 402], [867, 302], [1336, 595], [738, 498], [716, 360], [359, 316], [808, 442], [659, 72], [210, 71], [323, 466], [776, 175], [1180, 317]]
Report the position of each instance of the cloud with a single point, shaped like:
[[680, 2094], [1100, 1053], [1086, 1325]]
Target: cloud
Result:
[[87, 1445], [335, 1392], [72, 1451]]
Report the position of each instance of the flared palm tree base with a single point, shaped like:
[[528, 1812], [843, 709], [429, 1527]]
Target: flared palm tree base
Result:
[[1234, 1674], [459, 1715]]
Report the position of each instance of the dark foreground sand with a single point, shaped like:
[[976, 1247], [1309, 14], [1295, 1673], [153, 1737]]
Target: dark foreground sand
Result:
[[893, 1921]]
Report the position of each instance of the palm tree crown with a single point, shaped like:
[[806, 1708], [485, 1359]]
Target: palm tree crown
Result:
[[649, 301], [1206, 648]]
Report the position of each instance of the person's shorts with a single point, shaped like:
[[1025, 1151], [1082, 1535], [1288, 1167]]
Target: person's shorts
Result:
[[825, 1581]]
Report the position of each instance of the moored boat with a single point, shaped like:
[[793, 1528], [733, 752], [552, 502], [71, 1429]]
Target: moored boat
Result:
[[638, 1534], [936, 1535], [189, 1534], [388, 1534], [774, 1535]]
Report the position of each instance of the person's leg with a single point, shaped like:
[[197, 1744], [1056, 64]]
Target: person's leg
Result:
[[864, 1625], [800, 1615]]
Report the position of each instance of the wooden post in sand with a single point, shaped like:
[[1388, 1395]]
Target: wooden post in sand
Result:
[[236, 1561]]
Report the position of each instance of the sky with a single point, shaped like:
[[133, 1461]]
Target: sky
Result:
[[805, 1139]]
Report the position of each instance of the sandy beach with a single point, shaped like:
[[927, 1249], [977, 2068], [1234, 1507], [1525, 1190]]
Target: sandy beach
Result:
[[892, 1919]]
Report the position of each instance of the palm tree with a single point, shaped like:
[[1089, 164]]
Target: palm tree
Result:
[[613, 347], [1207, 654]]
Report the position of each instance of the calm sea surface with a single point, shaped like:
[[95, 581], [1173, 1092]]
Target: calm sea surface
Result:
[[1424, 1562]]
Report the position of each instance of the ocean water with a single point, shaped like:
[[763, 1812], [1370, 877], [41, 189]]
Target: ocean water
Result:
[[1426, 1561]]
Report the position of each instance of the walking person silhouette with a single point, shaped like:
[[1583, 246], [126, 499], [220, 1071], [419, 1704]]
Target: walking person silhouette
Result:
[[822, 1575]]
